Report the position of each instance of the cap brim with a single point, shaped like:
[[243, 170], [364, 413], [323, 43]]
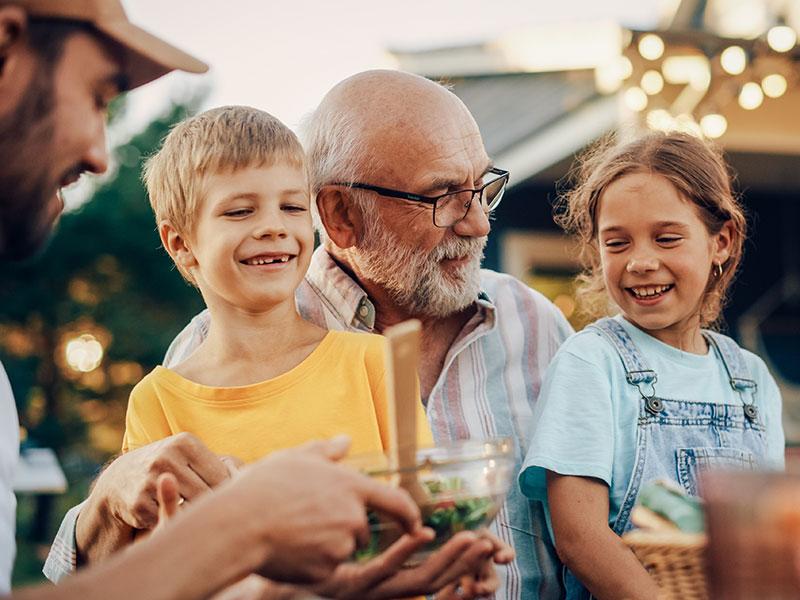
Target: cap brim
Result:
[[146, 57]]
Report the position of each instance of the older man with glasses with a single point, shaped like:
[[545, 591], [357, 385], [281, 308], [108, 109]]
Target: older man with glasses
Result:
[[404, 192]]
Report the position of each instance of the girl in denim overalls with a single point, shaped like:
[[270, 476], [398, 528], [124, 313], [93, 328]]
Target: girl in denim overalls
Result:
[[648, 394]]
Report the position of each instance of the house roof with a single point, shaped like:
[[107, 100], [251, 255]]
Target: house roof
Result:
[[510, 108], [532, 121]]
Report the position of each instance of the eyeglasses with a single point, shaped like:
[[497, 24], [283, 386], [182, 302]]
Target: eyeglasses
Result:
[[450, 208]]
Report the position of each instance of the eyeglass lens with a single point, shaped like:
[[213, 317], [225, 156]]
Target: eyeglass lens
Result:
[[453, 207]]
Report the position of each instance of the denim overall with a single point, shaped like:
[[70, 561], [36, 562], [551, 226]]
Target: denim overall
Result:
[[675, 439]]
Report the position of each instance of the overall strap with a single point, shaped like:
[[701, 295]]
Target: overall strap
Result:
[[637, 372], [738, 373]]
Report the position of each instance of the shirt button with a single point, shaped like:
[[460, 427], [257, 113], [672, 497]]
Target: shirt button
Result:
[[363, 311]]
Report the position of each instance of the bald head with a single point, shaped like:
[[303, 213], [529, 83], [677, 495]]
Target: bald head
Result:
[[386, 99], [374, 121]]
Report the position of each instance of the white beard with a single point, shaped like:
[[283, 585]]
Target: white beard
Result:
[[415, 281]]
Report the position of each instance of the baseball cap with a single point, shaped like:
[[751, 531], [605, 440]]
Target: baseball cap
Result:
[[145, 57]]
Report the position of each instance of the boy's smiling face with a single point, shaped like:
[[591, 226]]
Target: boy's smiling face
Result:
[[253, 238]]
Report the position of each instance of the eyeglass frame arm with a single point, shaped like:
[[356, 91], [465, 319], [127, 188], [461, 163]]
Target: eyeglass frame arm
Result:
[[418, 198]]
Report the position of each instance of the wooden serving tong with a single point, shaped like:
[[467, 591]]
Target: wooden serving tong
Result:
[[403, 362]]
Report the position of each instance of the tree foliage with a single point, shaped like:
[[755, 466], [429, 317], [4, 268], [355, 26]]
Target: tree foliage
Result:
[[105, 274]]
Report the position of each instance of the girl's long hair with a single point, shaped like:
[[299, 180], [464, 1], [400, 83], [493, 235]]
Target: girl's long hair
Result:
[[697, 170]]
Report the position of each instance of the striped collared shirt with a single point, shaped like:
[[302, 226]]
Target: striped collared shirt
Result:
[[487, 388]]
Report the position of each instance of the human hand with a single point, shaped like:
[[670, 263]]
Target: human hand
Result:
[[168, 498], [484, 582], [467, 554], [252, 587], [311, 512], [124, 496]]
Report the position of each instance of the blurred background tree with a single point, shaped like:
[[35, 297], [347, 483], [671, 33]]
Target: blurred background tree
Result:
[[82, 323]]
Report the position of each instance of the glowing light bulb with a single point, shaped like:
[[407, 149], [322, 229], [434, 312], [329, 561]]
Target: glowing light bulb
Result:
[[625, 67], [713, 125], [774, 85], [652, 82], [733, 60], [636, 99], [609, 76], [751, 96], [651, 47], [781, 38], [84, 353]]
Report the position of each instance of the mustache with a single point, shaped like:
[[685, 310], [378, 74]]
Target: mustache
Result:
[[458, 247]]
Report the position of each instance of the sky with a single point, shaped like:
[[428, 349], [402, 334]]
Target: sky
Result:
[[283, 56]]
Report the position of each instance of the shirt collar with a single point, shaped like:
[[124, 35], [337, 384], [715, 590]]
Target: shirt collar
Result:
[[347, 297]]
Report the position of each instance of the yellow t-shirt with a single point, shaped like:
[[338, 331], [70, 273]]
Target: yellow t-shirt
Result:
[[339, 388]]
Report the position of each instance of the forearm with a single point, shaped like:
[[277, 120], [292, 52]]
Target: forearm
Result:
[[606, 566], [173, 565]]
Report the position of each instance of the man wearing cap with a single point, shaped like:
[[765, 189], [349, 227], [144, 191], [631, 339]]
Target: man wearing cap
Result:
[[57, 79], [61, 63]]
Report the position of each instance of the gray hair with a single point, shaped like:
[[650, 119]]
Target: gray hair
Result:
[[335, 153]]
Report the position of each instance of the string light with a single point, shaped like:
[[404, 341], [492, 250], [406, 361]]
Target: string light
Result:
[[609, 76], [713, 125], [652, 82], [84, 353], [733, 60], [781, 38], [651, 47], [636, 99], [774, 85], [751, 96], [695, 71]]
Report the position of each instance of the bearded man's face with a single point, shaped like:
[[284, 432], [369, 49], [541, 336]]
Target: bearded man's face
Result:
[[55, 133], [28, 206]]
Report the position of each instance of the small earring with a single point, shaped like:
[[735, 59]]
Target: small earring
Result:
[[717, 270]]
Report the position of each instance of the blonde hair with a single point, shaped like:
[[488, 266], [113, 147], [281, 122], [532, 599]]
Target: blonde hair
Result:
[[697, 170], [223, 139]]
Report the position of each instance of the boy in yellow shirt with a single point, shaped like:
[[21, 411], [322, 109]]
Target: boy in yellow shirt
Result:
[[231, 199]]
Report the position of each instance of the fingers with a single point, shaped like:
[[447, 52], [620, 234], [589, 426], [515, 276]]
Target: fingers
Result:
[[487, 581], [394, 557], [398, 553], [393, 502], [362, 533], [462, 555], [470, 587], [207, 465], [503, 553], [233, 464], [334, 449], [191, 484], [483, 583], [143, 513], [168, 497], [440, 569]]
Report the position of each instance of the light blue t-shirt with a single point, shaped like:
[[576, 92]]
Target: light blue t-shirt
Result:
[[586, 418]]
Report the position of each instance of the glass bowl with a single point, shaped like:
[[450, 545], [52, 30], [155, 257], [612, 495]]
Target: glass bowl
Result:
[[466, 483]]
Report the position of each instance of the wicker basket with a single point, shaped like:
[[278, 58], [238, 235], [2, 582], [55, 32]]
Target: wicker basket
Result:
[[675, 560]]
